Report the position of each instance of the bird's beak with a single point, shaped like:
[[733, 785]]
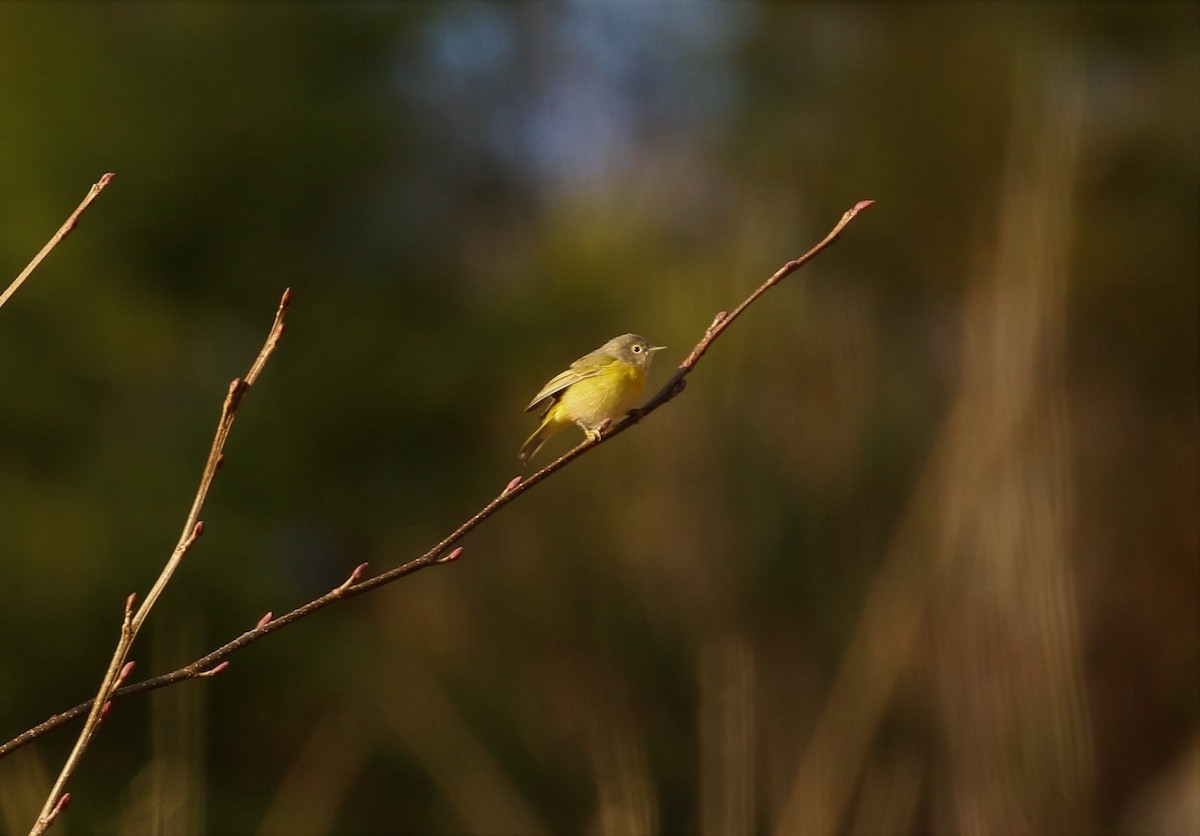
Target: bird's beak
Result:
[[655, 348]]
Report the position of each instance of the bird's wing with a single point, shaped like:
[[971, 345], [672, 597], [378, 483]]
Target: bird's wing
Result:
[[581, 369]]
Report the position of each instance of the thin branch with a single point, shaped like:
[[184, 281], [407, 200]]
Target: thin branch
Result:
[[63, 232], [441, 554], [119, 667]]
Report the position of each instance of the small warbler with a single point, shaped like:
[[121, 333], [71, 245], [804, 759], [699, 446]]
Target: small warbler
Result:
[[596, 388]]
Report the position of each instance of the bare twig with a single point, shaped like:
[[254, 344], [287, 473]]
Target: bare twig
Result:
[[63, 232], [118, 667], [442, 553]]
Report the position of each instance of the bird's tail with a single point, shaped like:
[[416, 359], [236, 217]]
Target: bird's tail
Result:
[[534, 442]]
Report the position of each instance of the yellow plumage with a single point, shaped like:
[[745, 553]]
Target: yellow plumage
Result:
[[598, 387]]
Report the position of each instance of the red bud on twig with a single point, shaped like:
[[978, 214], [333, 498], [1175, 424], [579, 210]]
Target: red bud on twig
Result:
[[265, 620], [125, 671], [215, 670], [451, 557], [516, 480], [237, 388], [104, 711], [354, 576]]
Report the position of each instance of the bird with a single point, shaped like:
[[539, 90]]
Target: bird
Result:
[[593, 391]]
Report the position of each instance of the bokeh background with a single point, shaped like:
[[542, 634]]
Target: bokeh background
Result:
[[916, 552]]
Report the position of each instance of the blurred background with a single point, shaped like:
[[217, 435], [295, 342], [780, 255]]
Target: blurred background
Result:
[[916, 552]]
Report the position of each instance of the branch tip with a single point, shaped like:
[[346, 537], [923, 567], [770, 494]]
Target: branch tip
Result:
[[63, 231], [861, 205], [129, 603], [286, 299]]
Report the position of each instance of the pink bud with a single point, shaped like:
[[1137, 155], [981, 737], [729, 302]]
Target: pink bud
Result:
[[451, 557]]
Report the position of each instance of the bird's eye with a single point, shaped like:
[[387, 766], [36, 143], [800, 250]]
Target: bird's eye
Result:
[[637, 349]]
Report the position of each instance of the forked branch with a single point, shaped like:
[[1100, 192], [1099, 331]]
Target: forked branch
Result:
[[446, 552], [119, 667]]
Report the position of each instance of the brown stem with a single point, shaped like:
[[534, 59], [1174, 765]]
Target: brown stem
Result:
[[118, 666], [63, 232]]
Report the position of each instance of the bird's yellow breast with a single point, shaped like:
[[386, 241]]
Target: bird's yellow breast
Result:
[[605, 396]]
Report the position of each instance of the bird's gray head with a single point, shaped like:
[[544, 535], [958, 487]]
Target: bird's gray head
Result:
[[633, 349]]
